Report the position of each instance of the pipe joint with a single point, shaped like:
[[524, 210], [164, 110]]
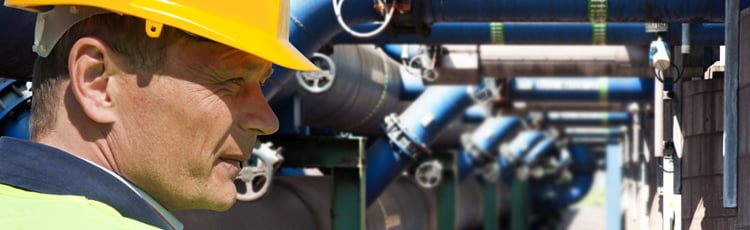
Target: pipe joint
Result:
[[402, 141]]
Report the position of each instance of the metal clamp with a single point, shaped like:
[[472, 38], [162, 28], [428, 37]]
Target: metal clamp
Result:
[[404, 142], [256, 175]]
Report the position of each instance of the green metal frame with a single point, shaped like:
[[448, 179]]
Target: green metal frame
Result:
[[345, 158], [448, 191], [490, 205]]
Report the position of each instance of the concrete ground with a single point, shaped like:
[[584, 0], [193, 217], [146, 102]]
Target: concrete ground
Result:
[[589, 213]]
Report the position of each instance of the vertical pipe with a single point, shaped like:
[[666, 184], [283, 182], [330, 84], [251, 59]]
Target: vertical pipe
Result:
[[659, 117], [614, 183], [731, 78]]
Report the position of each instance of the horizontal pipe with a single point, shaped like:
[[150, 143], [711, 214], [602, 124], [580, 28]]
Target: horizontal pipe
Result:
[[420, 123], [610, 89], [312, 24], [366, 88], [594, 132], [304, 203], [581, 118], [507, 61], [577, 11], [703, 34]]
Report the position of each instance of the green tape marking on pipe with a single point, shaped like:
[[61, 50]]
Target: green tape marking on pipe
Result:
[[497, 33], [597, 10], [599, 33], [603, 89]]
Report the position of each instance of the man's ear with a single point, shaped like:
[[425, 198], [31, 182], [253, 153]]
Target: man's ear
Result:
[[87, 63]]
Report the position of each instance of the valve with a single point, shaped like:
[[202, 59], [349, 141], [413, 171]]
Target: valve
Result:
[[490, 172], [318, 81], [429, 173], [256, 174]]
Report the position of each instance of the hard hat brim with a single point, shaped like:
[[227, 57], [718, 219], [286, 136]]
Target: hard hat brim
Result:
[[270, 45]]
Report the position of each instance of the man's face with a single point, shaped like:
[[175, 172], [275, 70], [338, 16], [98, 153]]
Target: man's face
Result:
[[184, 130]]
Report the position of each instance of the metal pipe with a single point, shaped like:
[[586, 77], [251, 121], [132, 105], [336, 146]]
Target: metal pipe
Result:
[[410, 132], [515, 151], [610, 89], [578, 11], [614, 153], [307, 201], [553, 33], [582, 118], [313, 24], [15, 108], [482, 145], [366, 89], [731, 84], [507, 61]]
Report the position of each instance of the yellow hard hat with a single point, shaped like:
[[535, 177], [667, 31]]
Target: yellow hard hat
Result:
[[257, 27]]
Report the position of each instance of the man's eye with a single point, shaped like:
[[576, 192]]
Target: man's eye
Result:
[[237, 81]]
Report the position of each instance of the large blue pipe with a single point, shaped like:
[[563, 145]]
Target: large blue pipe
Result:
[[312, 24], [550, 195], [578, 11], [483, 142], [419, 124], [587, 118], [15, 108], [701, 34], [612, 89]]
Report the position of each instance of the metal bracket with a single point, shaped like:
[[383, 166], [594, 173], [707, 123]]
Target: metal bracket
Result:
[[345, 157]]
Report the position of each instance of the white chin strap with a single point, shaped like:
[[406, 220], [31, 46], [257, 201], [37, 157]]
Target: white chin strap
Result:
[[52, 24]]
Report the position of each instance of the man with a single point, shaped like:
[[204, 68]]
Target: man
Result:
[[139, 108]]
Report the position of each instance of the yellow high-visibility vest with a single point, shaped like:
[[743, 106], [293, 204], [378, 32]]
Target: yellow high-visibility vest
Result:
[[21, 209]]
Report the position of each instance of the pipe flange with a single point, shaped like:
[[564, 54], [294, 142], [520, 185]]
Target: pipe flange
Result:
[[403, 141], [318, 81], [429, 174], [256, 175], [481, 157]]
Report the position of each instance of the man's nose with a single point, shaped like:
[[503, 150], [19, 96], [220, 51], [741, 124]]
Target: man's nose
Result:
[[254, 111]]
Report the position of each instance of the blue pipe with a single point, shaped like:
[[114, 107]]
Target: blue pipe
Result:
[[543, 148], [493, 131], [521, 145], [312, 25], [555, 196], [420, 123], [612, 89], [578, 11], [587, 119], [603, 133], [703, 34], [16, 109], [484, 142]]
